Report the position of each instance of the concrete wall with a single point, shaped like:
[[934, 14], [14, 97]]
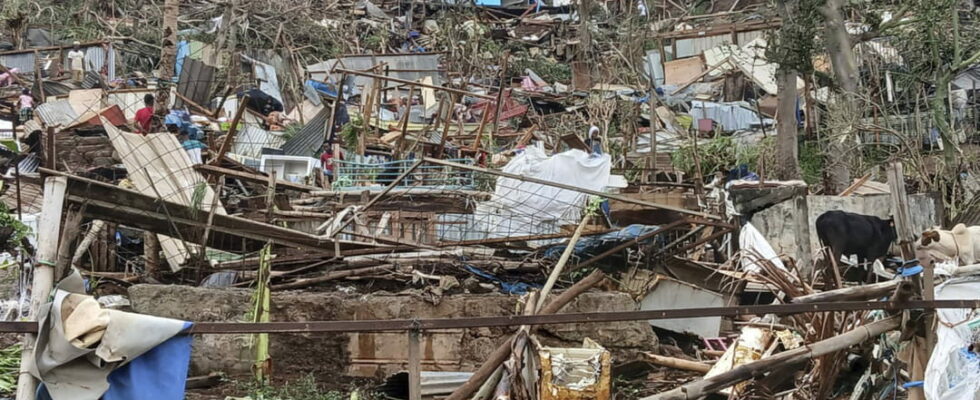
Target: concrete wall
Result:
[[783, 223], [372, 354]]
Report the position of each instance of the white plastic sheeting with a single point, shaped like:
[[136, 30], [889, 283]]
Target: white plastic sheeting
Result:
[[519, 208], [755, 247], [953, 372]]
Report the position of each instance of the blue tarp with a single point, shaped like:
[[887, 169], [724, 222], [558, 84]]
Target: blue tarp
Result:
[[322, 88], [506, 287], [183, 50], [159, 374], [592, 245]]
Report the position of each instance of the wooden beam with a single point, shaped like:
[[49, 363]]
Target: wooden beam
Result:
[[570, 187], [414, 365], [230, 136]]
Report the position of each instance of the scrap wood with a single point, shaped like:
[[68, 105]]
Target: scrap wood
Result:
[[678, 363], [857, 184], [704, 387], [860, 292], [502, 353], [306, 282], [230, 136]]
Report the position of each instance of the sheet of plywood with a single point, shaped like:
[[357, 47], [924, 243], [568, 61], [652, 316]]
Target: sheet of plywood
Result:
[[679, 72], [85, 101], [159, 167]]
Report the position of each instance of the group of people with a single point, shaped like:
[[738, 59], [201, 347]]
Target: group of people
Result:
[[148, 122]]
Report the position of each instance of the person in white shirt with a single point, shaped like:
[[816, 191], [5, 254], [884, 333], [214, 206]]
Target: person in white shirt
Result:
[[76, 58]]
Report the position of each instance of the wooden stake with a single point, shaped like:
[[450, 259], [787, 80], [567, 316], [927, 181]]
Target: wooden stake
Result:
[[230, 136], [560, 266], [49, 228], [678, 363], [414, 365]]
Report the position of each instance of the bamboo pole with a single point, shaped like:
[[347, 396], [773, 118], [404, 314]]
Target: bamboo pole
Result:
[[704, 387], [503, 351], [862, 292], [560, 266], [49, 227]]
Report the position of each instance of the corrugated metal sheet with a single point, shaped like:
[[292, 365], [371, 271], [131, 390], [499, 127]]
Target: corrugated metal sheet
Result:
[[195, 82], [31, 126], [408, 66], [308, 140], [92, 80], [58, 112], [57, 88], [268, 80], [250, 141], [24, 61]]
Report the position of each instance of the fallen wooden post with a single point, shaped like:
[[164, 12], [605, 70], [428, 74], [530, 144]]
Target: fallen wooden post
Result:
[[704, 387]]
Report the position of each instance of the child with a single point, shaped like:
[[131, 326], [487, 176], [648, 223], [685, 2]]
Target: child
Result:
[[193, 147], [26, 106], [326, 162]]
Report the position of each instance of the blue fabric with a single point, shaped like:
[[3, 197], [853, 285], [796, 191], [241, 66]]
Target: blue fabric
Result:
[[506, 287], [183, 50], [183, 121], [591, 245], [322, 88], [191, 144], [159, 374]]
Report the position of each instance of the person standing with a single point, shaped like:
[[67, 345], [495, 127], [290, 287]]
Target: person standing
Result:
[[26, 101], [327, 162], [76, 58], [193, 147], [144, 116]]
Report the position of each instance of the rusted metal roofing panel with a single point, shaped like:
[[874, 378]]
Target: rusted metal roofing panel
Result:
[[308, 140], [195, 82]]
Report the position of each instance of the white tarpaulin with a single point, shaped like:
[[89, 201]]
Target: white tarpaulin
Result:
[[159, 167], [755, 247], [953, 372], [520, 208]]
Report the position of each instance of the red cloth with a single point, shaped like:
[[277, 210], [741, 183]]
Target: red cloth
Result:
[[143, 117], [325, 160]]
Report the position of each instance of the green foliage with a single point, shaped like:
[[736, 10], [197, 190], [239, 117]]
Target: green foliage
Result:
[[548, 69], [721, 153], [811, 162], [794, 44], [304, 388], [9, 221], [9, 368], [350, 131], [197, 197]]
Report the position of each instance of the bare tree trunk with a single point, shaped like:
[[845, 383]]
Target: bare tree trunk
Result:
[[787, 148], [837, 173], [168, 55]]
